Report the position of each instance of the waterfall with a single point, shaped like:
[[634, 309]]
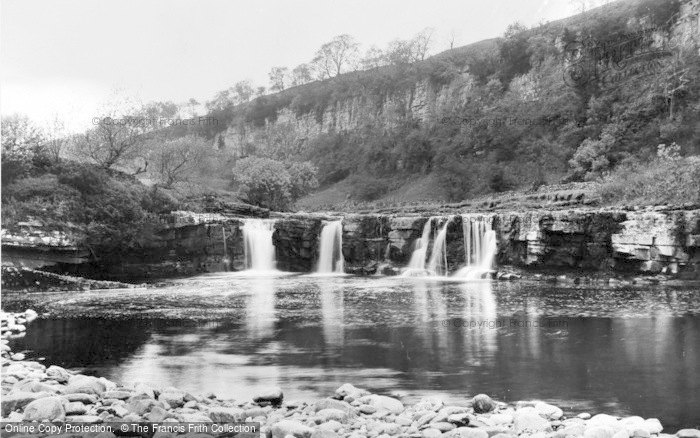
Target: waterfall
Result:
[[479, 246], [259, 249], [438, 257], [225, 260], [417, 262], [330, 260]]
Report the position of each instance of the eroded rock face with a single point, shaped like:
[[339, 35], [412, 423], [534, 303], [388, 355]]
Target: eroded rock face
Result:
[[645, 242]]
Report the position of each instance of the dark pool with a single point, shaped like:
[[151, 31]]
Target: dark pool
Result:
[[619, 351]]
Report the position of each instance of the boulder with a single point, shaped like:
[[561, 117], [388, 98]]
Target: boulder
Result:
[[482, 404], [273, 396], [329, 403], [386, 404], [349, 390], [18, 400], [84, 385], [599, 432], [688, 433], [548, 411], [226, 415], [530, 422], [325, 415], [45, 409], [290, 427]]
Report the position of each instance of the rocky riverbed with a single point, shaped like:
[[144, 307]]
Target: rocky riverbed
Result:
[[31, 391]]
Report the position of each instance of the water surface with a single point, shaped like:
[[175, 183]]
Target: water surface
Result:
[[619, 351]]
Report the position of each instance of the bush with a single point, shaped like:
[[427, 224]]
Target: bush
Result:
[[668, 179], [367, 188], [273, 184]]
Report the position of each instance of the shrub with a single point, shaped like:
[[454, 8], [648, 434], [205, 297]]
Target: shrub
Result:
[[668, 179]]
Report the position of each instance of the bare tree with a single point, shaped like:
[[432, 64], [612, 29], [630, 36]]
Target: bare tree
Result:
[[336, 57], [278, 78], [55, 137], [176, 160], [301, 75], [422, 43], [118, 135]]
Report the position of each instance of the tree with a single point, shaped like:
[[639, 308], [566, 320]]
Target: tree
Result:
[[119, 133], [278, 78], [422, 42], [244, 91], [373, 58], [514, 52], [22, 141], [20, 134], [273, 184], [301, 75], [336, 57], [176, 160], [55, 137]]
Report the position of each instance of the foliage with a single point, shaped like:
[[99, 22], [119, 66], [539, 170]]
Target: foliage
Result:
[[111, 210], [273, 184], [666, 179]]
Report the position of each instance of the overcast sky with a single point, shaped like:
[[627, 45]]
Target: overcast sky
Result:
[[66, 56]]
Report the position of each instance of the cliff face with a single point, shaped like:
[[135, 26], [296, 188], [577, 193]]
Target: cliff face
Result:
[[577, 240], [650, 241]]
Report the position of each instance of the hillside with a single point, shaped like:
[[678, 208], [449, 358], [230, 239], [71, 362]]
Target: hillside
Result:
[[497, 115]]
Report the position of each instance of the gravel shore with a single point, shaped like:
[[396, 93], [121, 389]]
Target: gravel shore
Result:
[[32, 391]]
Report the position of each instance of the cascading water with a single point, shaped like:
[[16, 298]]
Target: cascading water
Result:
[[258, 246], [479, 246], [438, 257], [331, 260], [417, 263]]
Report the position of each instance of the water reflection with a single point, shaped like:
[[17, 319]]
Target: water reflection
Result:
[[617, 351]]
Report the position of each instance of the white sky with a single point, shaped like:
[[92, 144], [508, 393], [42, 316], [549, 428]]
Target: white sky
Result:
[[66, 56]]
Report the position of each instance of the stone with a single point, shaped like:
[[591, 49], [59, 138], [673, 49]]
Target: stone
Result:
[[325, 415], [226, 415], [45, 409], [621, 434], [142, 388], [548, 411], [688, 433], [459, 419], [469, 432], [367, 409], [443, 426], [18, 400], [81, 397], [58, 374], [347, 389], [584, 416], [75, 408], [272, 395], [84, 419], [290, 427], [157, 414], [386, 404], [639, 433], [431, 433], [653, 425], [329, 403], [403, 421], [140, 406], [119, 395], [331, 425], [482, 404], [324, 433], [84, 384], [501, 419], [604, 420], [173, 399], [599, 432], [530, 422]]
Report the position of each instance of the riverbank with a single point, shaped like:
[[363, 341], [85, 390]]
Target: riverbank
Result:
[[34, 391]]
